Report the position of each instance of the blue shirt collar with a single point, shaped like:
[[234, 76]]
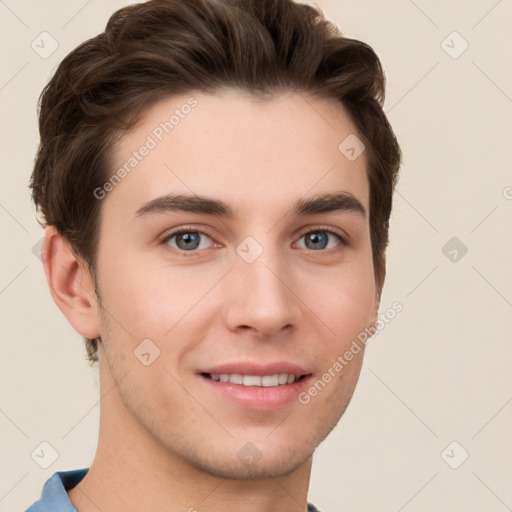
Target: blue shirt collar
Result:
[[54, 497]]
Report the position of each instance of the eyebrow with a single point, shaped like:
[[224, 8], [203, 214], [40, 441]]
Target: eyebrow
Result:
[[323, 203]]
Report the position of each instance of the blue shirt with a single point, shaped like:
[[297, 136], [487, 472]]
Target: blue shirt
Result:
[[54, 497]]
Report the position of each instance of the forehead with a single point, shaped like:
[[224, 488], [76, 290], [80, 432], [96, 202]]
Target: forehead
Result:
[[251, 152]]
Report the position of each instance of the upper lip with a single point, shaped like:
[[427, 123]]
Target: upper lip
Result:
[[252, 368]]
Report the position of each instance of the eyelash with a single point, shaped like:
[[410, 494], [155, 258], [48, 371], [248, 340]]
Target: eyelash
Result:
[[191, 229]]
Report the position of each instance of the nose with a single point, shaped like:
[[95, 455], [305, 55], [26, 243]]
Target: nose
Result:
[[261, 296]]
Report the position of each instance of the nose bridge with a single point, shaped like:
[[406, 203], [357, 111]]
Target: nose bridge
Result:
[[261, 295]]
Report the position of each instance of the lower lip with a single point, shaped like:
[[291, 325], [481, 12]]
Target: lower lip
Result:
[[258, 397]]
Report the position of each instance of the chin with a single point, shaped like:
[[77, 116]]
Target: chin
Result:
[[270, 466]]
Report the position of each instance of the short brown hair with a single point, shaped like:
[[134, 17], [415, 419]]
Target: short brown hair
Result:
[[162, 48]]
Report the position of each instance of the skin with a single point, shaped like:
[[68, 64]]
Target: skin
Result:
[[162, 428]]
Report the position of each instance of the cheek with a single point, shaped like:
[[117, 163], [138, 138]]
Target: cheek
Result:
[[131, 296], [149, 300], [346, 304]]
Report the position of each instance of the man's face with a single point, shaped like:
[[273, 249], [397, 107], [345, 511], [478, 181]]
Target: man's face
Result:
[[264, 293]]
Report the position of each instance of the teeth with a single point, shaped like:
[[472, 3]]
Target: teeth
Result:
[[252, 380], [270, 380], [282, 378], [255, 380], [235, 378]]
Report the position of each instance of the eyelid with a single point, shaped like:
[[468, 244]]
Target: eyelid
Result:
[[329, 229], [183, 229]]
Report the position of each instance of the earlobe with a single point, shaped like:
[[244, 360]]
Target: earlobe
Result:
[[71, 284]]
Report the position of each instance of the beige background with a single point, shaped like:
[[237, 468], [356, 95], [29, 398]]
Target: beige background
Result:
[[439, 372]]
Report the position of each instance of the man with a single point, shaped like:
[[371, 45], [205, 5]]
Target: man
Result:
[[216, 180]]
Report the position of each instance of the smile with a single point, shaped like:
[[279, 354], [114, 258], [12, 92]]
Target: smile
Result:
[[279, 379], [252, 385]]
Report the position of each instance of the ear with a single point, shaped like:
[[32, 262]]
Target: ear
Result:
[[71, 284]]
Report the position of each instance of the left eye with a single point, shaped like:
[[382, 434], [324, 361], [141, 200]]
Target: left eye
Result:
[[318, 239], [189, 240]]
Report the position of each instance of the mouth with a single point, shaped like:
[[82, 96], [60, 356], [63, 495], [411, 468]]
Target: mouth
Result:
[[251, 386], [266, 381]]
